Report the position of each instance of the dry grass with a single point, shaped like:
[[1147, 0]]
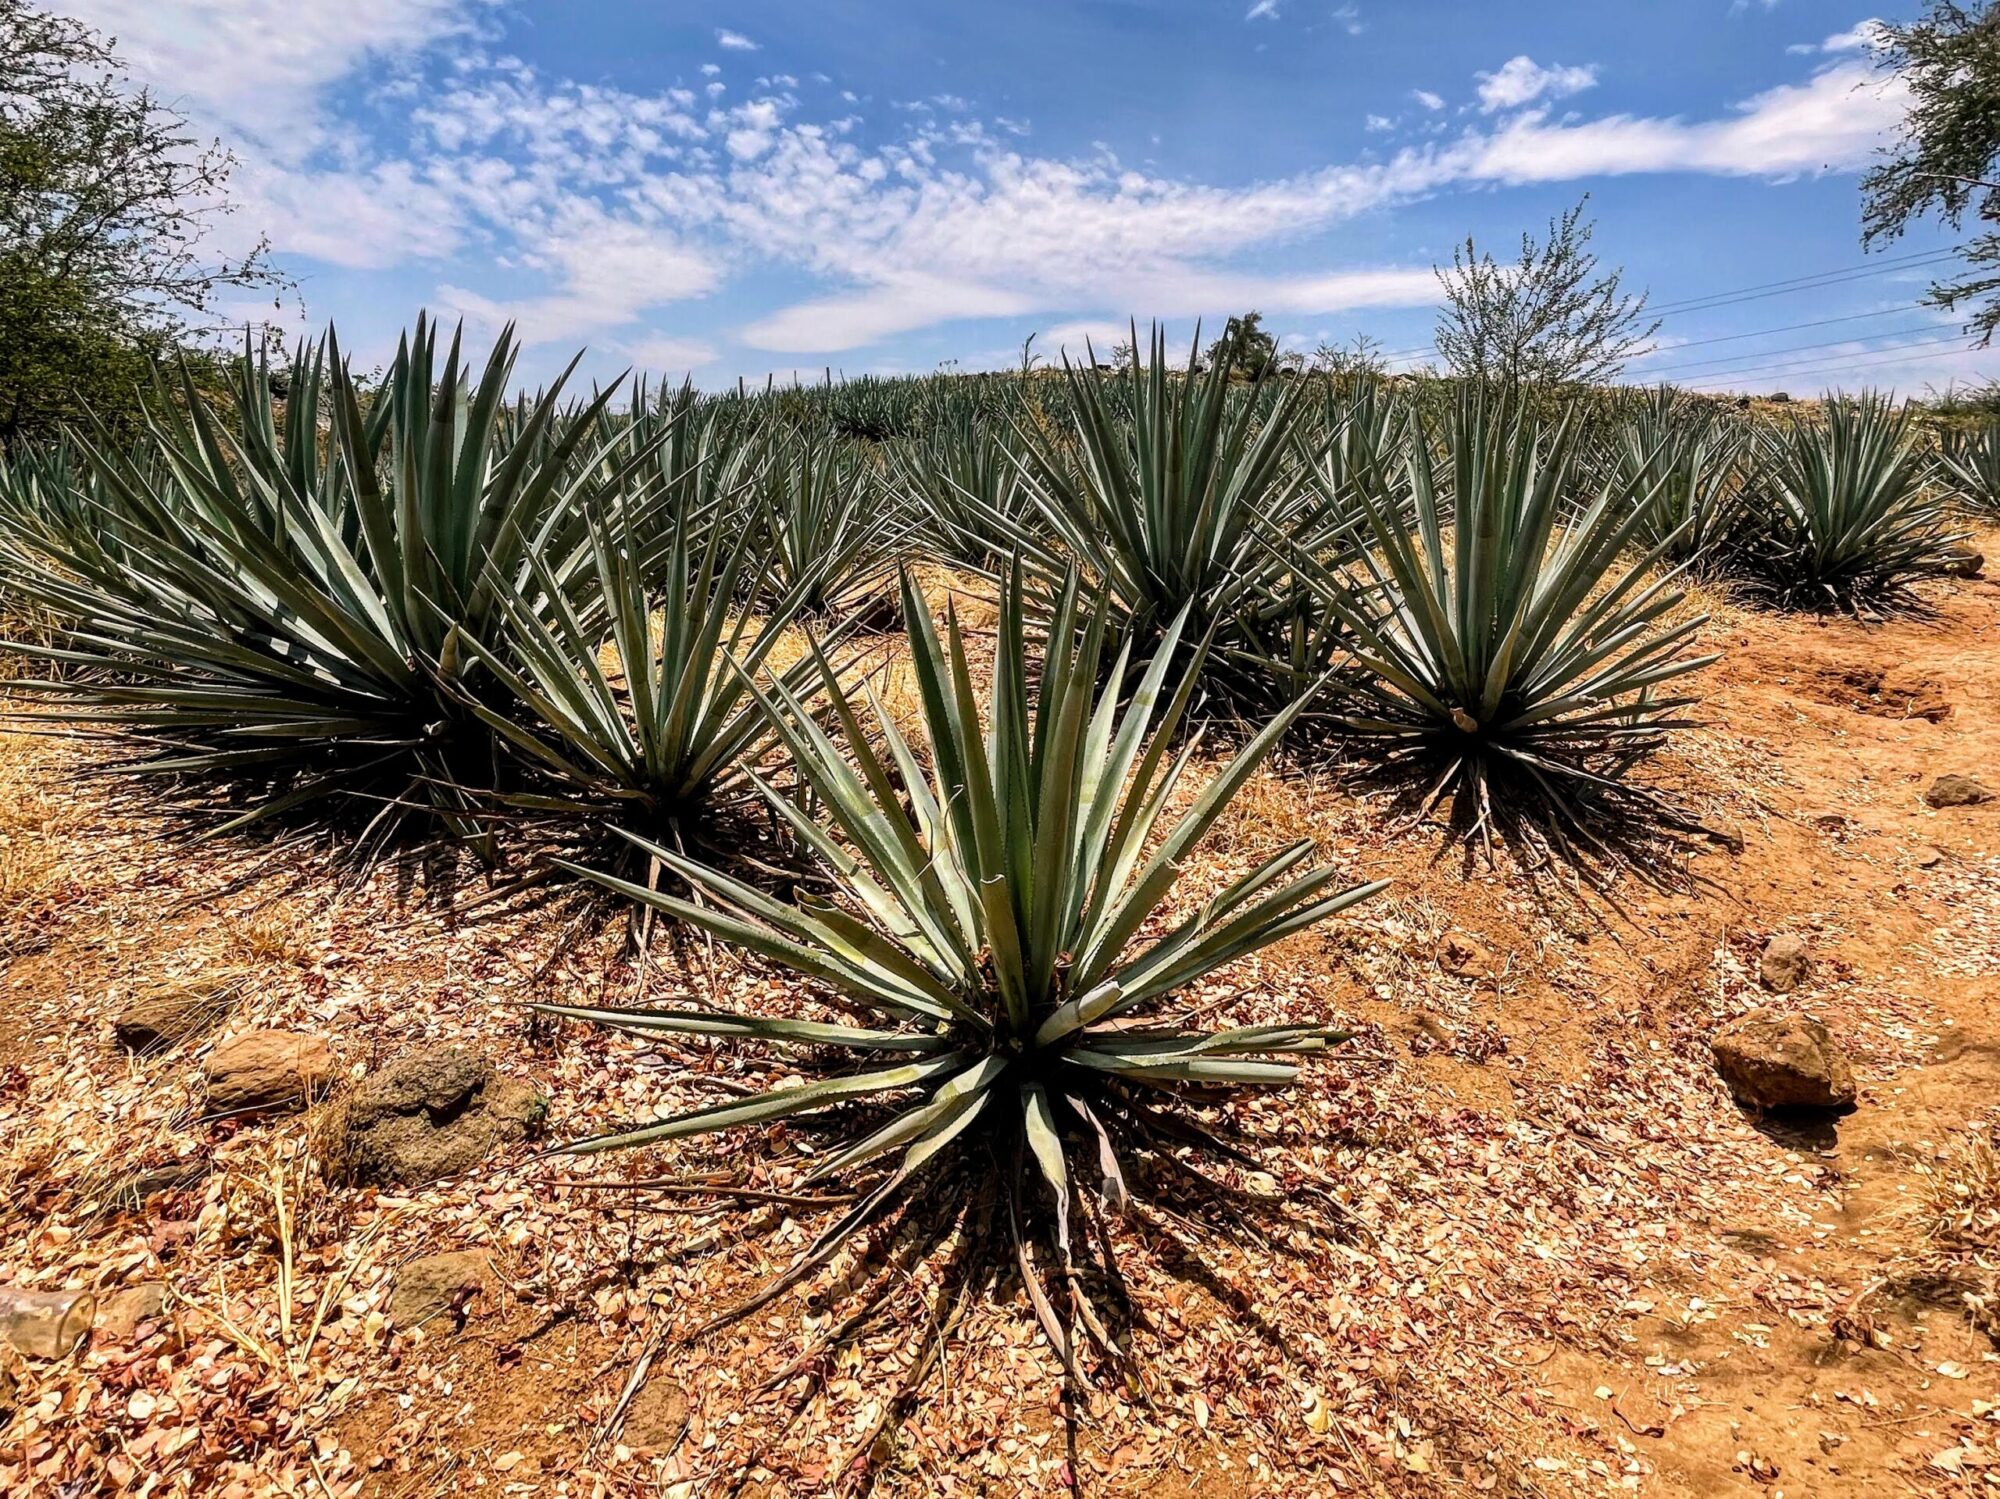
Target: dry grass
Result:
[[1957, 1206]]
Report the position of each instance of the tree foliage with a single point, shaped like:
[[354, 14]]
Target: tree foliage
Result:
[[1245, 347], [1948, 161], [106, 200], [1552, 317]]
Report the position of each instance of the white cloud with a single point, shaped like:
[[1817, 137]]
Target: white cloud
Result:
[[587, 212], [1377, 124], [1834, 121], [733, 41], [1348, 18], [260, 67], [1521, 80], [1863, 36], [1262, 10]]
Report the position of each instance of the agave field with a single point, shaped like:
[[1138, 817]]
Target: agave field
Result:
[[897, 728]]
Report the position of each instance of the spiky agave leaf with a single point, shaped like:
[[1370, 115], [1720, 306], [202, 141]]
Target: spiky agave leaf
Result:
[[284, 606], [1157, 489], [659, 726], [987, 943], [1504, 647], [1971, 463], [1690, 460], [961, 478], [833, 526], [1847, 517]]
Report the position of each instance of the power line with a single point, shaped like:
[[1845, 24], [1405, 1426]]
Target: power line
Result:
[[1760, 291], [1824, 322], [1718, 365], [1812, 368]]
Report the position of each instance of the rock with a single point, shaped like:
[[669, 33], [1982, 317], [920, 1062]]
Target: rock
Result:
[[438, 1284], [162, 1015], [1461, 954], [268, 1072], [1930, 858], [434, 1111], [1786, 961], [124, 1311], [1777, 1061], [1965, 563], [1956, 791], [657, 1417], [45, 1324]]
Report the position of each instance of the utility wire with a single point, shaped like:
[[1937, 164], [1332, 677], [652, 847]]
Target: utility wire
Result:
[[1717, 366], [1814, 367], [1758, 292]]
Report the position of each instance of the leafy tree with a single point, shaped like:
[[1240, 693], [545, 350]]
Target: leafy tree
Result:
[[1948, 160], [1550, 318], [105, 201], [1245, 347]]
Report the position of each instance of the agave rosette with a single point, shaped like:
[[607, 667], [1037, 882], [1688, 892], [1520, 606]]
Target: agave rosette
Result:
[[1500, 644], [1010, 994]]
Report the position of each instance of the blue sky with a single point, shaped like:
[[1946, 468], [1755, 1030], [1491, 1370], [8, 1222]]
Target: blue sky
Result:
[[777, 186]]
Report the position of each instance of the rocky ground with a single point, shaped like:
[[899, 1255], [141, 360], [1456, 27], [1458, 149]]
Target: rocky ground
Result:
[[280, 1220]]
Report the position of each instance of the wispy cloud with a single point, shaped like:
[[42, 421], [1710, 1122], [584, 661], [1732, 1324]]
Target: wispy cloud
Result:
[[1262, 10], [733, 41], [1521, 80], [1348, 19], [1860, 37], [587, 212]]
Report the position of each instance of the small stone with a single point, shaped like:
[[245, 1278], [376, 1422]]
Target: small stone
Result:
[[657, 1417], [268, 1072], [432, 1112], [162, 1015], [45, 1324], [438, 1284], [1779, 1061], [1956, 791], [1930, 858], [1786, 961], [1966, 563], [123, 1312]]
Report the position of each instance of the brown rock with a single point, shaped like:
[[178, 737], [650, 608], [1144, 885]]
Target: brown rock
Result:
[[1966, 563], [158, 1016], [1786, 961], [432, 1112], [268, 1072], [1956, 791], [657, 1417], [1775, 1061], [123, 1312], [45, 1324], [440, 1284]]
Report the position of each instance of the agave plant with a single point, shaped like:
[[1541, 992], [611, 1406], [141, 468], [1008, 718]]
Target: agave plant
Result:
[[1972, 468], [833, 527], [281, 606], [1001, 954], [966, 484], [1846, 515], [658, 729], [1158, 491], [1510, 650], [1685, 464]]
